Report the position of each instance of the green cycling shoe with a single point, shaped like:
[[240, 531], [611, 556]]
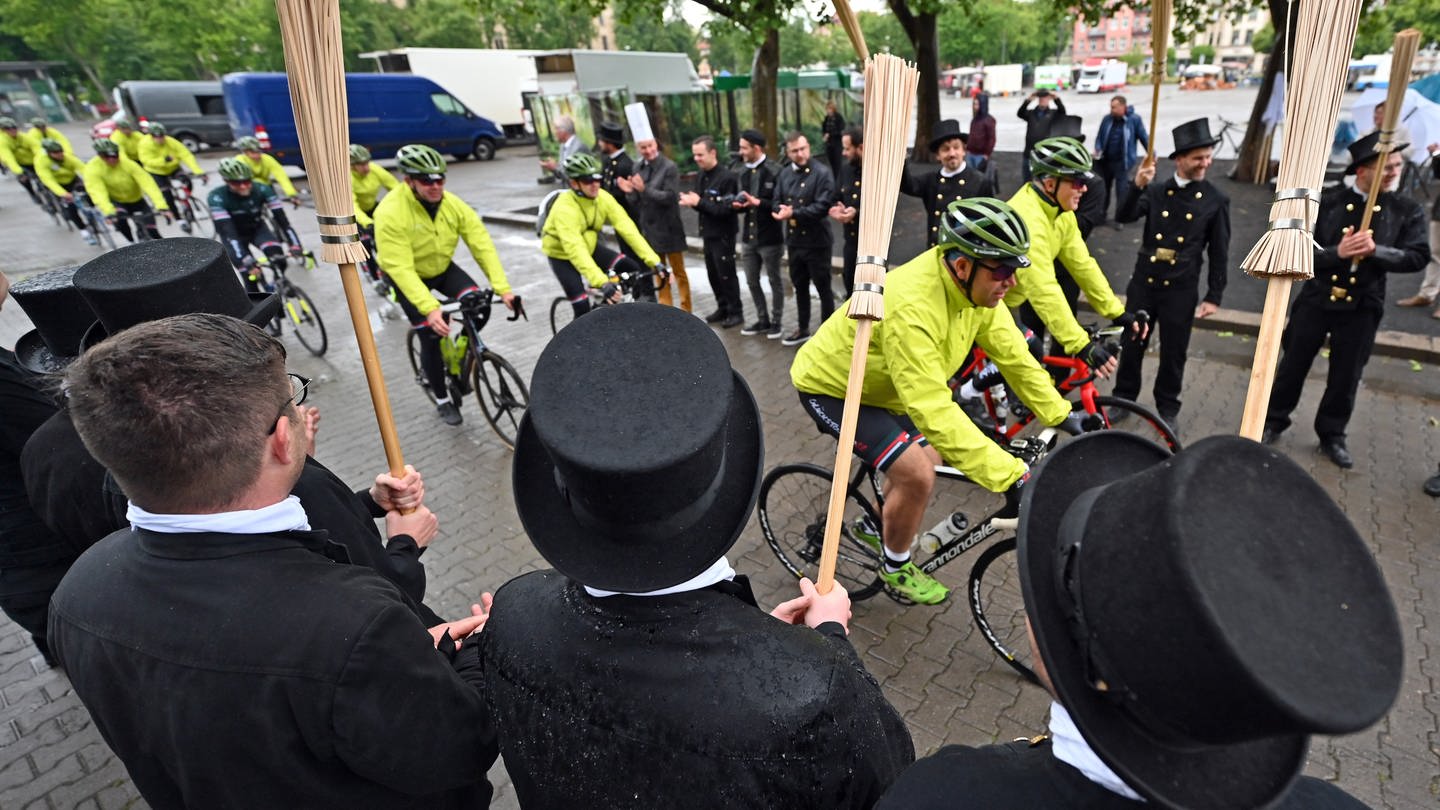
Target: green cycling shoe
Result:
[[915, 585]]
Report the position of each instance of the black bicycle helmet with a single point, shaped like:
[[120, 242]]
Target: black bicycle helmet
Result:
[[583, 166], [104, 147], [359, 154], [235, 169], [1063, 157], [51, 145], [417, 158], [985, 228]]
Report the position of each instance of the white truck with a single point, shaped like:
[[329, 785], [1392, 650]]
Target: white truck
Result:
[[487, 80], [1052, 77], [1101, 75], [1004, 80]]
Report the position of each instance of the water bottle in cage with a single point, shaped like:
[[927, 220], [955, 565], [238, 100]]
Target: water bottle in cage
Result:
[[946, 530], [987, 377]]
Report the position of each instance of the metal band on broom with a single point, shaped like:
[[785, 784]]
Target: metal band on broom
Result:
[[1319, 59], [314, 61], [1159, 50], [889, 96]]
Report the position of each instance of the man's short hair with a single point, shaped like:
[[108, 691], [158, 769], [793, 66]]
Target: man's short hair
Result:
[[178, 409], [706, 141], [565, 123], [856, 135], [1120, 99], [792, 136]]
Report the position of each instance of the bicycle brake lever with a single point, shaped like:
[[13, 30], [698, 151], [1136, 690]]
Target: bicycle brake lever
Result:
[[518, 312]]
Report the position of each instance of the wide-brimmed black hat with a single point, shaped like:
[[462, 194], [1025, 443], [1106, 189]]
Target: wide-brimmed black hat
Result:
[[151, 280], [1200, 615], [60, 316], [636, 468], [944, 131], [1367, 149], [1192, 135], [612, 132], [1069, 127]]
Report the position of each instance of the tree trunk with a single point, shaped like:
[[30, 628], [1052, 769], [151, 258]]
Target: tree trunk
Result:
[[763, 97], [1254, 142], [920, 29]]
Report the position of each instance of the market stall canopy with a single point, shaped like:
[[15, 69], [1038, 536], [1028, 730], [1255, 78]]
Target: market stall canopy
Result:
[[643, 73]]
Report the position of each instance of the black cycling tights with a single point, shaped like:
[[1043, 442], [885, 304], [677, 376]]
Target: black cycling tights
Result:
[[611, 264]]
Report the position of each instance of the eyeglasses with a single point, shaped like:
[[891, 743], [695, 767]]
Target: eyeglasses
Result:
[[299, 387], [429, 181]]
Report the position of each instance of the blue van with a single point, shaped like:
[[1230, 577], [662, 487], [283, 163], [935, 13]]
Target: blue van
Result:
[[387, 111]]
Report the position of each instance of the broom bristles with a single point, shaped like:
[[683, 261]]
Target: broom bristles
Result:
[[1320, 59], [310, 30], [890, 84]]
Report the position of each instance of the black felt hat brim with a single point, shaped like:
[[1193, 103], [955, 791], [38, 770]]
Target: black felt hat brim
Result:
[[32, 354], [1189, 146], [263, 309], [1196, 777], [963, 136], [625, 564], [1356, 163]]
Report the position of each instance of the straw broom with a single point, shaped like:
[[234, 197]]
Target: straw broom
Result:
[[1324, 36], [1407, 42], [314, 61], [1160, 15], [889, 96]]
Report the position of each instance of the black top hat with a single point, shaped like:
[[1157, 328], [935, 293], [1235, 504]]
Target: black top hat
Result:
[[151, 280], [944, 131], [1200, 615], [1192, 135], [635, 470], [1067, 126], [1367, 149], [612, 132], [60, 315]]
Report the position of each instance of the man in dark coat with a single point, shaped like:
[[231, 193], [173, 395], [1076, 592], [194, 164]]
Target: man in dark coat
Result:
[[955, 179], [1187, 224], [640, 673], [1346, 298], [762, 239], [846, 209], [1038, 122], [287, 680], [617, 163], [804, 193], [654, 191], [1149, 584], [712, 198]]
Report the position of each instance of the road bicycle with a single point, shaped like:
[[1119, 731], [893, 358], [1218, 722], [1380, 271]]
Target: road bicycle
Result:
[[296, 307], [190, 208], [95, 221], [562, 313], [471, 366], [1231, 134], [54, 206]]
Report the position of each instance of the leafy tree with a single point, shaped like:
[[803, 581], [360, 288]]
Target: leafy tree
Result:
[[665, 31], [1202, 55], [1264, 38]]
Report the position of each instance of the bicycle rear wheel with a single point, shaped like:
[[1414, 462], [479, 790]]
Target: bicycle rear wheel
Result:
[[998, 606], [561, 314], [304, 317], [794, 499], [503, 395], [412, 348]]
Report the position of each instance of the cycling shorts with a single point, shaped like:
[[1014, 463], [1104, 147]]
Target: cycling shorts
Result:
[[452, 284], [880, 436]]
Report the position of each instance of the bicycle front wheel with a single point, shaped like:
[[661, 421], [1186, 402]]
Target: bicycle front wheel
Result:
[[100, 228], [794, 499], [998, 606], [1139, 420], [304, 317], [561, 314], [502, 393]]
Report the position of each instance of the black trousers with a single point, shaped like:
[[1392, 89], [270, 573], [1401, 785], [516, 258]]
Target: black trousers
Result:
[[1172, 312], [611, 263], [1352, 336], [720, 269], [850, 251], [811, 266], [452, 283]]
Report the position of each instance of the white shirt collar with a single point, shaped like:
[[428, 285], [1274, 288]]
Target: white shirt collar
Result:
[[1181, 182], [1069, 747], [944, 173], [287, 515], [757, 162], [720, 571]]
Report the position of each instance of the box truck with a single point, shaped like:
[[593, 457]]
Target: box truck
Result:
[[1101, 75], [1052, 77], [1004, 80], [386, 112], [490, 81]]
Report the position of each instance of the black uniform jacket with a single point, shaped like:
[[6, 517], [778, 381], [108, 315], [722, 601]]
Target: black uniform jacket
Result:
[[616, 165], [848, 194], [936, 192], [757, 227], [1021, 776], [1182, 227], [245, 671], [695, 700], [24, 539], [811, 192], [717, 220], [1402, 245]]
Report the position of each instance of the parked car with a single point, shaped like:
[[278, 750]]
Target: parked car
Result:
[[192, 112], [387, 111]]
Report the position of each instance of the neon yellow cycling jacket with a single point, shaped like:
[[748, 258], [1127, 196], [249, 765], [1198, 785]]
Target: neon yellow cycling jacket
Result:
[[926, 336], [268, 170], [57, 174], [125, 182], [1056, 235], [129, 144], [166, 158], [414, 247], [366, 187], [17, 153], [35, 137], [573, 226]]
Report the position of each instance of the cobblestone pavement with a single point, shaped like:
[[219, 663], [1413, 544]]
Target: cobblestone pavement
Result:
[[934, 666]]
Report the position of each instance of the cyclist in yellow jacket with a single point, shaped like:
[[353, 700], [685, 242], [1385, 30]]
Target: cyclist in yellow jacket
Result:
[[571, 235], [17, 155], [266, 169], [937, 306], [1059, 175], [128, 139], [417, 228], [162, 156], [117, 184], [40, 129], [61, 172], [366, 181]]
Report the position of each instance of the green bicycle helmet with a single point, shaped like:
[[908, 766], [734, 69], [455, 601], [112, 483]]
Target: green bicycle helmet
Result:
[[248, 143], [156, 129], [6, 122], [985, 228], [105, 147], [417, 158], [359, 154], [51, 145], [235, 169], [1061, 157], [123, 123], [39, 122], [583, 166]]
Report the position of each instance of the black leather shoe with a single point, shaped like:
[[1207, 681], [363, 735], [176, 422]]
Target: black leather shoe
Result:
[[1336, 451], [450, 414], [1432, 486], [731, 322], [715, 317]]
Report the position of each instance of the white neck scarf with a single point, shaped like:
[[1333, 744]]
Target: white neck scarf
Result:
[[1181, 182], [720, 571], [287, 515], [1069, 747]]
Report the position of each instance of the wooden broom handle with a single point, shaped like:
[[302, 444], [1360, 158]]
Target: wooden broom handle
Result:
[[844, 453], [370, 359], [1154, 115], [1267, 354]]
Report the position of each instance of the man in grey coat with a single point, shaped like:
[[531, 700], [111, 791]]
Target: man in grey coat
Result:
[[654, 192]]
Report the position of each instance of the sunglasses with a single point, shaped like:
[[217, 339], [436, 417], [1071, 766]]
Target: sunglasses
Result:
[[239, 182], [429, 181], [1000, 272]]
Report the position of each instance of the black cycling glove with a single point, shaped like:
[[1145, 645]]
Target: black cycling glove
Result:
[[1095, 354], [1129, 319], [1012, 497], [609, 290]]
